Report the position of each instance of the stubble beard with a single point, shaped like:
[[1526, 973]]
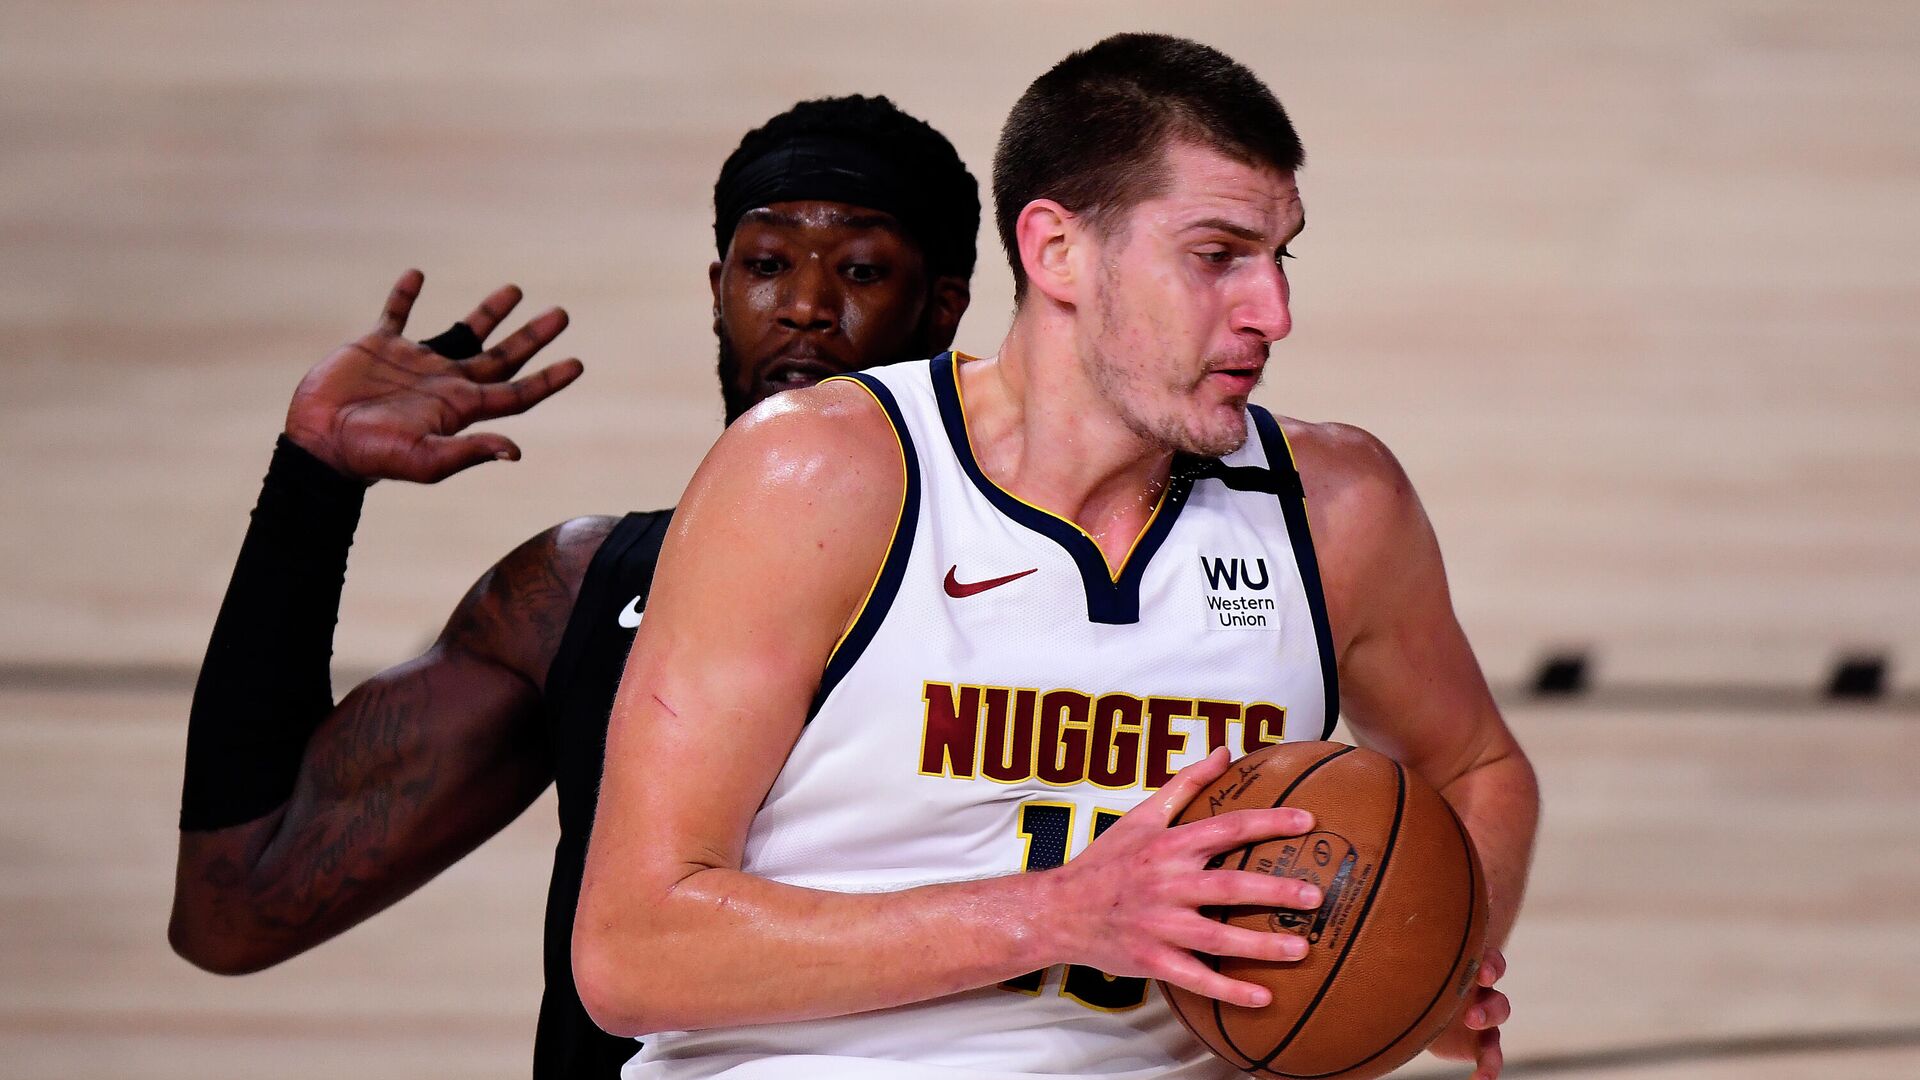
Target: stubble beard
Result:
[[1130, 394], [737, 401]]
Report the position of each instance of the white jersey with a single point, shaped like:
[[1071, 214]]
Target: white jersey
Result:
[[1001, 698]]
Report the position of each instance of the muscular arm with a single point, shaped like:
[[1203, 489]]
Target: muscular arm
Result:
[[1410, 687], [778, 539], [409, 772], [1409, 684]]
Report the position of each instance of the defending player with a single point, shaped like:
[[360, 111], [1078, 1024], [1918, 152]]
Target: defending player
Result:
[[846, 233], [918, 627]]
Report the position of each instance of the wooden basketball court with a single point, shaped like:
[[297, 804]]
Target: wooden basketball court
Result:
[[1629, 290]]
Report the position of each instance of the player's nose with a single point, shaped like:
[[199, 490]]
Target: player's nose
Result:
[[810, 299], [1265, 310]]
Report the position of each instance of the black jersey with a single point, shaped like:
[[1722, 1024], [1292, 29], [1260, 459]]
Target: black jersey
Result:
[[578, 698]]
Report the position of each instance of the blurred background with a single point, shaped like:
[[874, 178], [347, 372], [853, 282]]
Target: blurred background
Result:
[[1630, 289]]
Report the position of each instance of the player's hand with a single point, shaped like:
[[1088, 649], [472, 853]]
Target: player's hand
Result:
[[386, 408], [1475, 1034], [1129, 904]]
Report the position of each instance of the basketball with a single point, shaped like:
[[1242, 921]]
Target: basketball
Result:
[[1392, 950]]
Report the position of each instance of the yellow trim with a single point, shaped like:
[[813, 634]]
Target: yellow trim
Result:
[[1288, 443], [1033, 744], [1067, 975], [1026, 836], [899, 516], [926, 726], [1113, 572]]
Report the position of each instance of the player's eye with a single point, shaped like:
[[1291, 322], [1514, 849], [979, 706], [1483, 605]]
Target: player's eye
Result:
[[1216, 257], [765, 266], [865, 273]]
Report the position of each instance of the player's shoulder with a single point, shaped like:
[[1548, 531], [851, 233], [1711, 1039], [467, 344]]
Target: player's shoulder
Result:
[[792, 512], [561, 552], [834, 411], [1343, 463], [829, 442], [1356, 488], [516, 613]]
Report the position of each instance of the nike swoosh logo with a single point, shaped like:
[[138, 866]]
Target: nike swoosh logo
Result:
[[958, 589], [630, 615]]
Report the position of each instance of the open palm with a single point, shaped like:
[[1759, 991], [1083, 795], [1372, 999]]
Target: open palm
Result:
[[383, 407]]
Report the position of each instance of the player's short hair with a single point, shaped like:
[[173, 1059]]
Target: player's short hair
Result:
[[917, 175], [1091, 133]]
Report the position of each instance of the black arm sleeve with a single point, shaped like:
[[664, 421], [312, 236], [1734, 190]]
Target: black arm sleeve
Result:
[[265, 686]]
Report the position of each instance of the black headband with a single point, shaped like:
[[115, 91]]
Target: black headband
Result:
[[828, 169]]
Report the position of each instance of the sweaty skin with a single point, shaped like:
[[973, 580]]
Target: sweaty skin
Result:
[[424, 761], [1126, 348], [772, 549]]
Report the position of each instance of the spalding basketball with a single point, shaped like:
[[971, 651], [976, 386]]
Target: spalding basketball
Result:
[[1392, 950]]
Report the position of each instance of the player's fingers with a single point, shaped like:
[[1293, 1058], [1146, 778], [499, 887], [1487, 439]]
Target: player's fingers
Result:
[[1204, 935], [1489, 1010], [1246, 888], [497, 306], [1184, 970], [1493, 965], [393, 318], [444, 455], [508, 399], [1164, 805], [501, 361], [1490, 1059], [1237, 828]]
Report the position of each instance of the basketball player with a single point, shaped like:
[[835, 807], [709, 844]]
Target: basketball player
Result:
[[846, 233], [920, 629]]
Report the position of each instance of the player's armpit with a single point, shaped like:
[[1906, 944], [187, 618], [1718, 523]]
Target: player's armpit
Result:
[[409, 772]]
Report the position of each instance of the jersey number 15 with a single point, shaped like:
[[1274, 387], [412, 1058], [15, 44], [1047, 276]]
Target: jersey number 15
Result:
[[1048, 830]]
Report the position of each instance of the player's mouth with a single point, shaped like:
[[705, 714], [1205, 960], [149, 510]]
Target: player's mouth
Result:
[[1235, 381], [799, 368]]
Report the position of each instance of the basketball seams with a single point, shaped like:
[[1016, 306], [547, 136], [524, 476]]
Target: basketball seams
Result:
[[1359, 921], [1180, 1014], [1218, 1022], [1414, 806], [1460, 952]]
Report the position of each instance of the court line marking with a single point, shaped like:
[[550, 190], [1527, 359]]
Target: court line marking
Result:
[[1676, 1051]]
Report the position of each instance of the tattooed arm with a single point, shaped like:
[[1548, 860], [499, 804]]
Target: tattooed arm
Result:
[[412, 770]]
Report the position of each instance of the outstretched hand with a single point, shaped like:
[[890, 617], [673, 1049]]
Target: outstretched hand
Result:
[[382, 407]]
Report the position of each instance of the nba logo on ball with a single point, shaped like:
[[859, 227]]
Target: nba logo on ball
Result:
[[1330, 862]]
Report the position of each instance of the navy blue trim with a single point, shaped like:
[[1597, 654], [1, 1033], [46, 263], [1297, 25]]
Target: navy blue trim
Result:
[[1294, 506], [894, 569], [1108, 601]]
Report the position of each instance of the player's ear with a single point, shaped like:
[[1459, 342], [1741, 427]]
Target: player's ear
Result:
[[947, 301], [1046, 234], [713, 284]]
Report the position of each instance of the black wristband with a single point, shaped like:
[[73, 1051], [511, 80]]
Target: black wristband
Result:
[[265, 685], [456, 342]]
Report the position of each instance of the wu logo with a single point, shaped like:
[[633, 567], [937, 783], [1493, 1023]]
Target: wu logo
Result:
[[1234, 574]]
